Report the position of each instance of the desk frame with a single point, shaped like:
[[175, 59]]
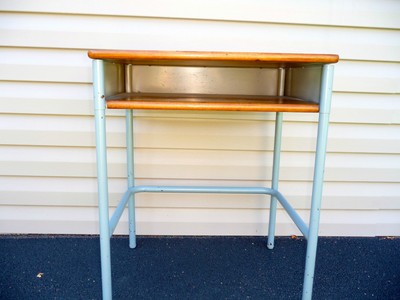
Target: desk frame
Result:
[[107, 226]]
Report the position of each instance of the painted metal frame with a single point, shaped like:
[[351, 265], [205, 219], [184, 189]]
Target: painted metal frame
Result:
[[107, 225]]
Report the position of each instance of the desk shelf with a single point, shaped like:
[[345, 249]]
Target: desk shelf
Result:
[[205, 102]]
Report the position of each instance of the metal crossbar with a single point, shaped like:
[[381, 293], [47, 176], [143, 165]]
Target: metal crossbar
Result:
[[207, 190]]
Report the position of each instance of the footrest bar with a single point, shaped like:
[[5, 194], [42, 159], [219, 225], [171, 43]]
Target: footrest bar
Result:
[[201, 189], [207, 190], [292, 213]]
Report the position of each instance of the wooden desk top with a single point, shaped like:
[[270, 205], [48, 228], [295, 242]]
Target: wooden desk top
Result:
[[222, 59]]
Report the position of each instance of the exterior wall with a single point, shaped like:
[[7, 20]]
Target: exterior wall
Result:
[[47, 155]]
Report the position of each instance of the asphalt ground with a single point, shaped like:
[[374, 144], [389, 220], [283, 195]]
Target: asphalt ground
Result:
[[68, 267]]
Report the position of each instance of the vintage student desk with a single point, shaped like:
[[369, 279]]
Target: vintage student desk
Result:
[[211, 81]]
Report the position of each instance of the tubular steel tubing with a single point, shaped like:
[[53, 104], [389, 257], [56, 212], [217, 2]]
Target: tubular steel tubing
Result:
[[319, 168], [276, 163], [208, 190], [118, 211], [131, 178], [201, 189], [102, 177], [275, 179], [292, 214], [130, 162]]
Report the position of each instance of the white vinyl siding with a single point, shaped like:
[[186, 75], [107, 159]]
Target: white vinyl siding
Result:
[[47, 154]]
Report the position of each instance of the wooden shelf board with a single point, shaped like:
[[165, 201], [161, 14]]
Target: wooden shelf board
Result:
[[210, 102]]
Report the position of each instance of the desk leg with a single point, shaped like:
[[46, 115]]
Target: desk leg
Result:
[[319, 168], [275, 179], [102, 178], [131, 177]]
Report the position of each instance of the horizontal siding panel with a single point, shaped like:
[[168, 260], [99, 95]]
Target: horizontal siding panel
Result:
[[47, 156], [45, 98], [88, 32], [365, 108], [194, 221], [62, 191], [367, 13], [72, 131], [193, 164], [364, 138], [48, 220], [368, 77], [45, 65]]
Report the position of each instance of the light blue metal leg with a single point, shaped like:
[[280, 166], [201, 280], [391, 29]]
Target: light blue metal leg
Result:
[[275, 179], [322, 137], [101, 152], [131, 178], [276, 162]]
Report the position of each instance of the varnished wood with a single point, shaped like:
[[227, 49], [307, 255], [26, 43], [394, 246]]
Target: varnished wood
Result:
[[210, 103], [194, 58]]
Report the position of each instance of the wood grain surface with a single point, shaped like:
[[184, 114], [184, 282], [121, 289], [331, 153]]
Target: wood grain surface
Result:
[[210, 103], [195, 58]]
